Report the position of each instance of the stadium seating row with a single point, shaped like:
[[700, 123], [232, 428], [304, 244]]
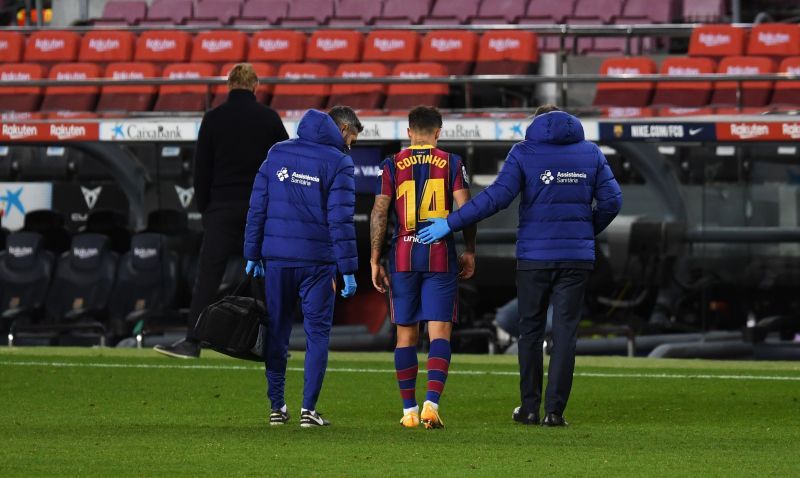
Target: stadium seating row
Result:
[[379, 12], [456, 49], [754, 94], [56, 288]]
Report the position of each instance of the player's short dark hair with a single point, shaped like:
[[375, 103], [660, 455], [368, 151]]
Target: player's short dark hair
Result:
[[546, 109], [344, 115], [425, 119]]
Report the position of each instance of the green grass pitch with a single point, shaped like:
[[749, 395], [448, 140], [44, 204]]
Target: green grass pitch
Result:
[[91, 412]]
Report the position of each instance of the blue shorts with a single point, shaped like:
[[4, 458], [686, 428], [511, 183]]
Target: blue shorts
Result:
[[423, 296]]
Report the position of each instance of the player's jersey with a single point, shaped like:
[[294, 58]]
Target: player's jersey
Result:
[[421, 181]]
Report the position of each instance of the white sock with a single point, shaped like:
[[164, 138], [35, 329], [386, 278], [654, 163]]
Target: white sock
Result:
[[284, 408], [303, 410], [415, 408], [434, 405]]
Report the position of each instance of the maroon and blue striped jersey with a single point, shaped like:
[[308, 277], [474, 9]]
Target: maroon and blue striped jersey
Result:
[[421, 181]]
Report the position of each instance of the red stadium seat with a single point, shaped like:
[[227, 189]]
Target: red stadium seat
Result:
[[498, 12], [71, 98], [263, 12], [356, 12], [648, 11], [717, 41], [391, 47], [787, 93], [128, 97], [185, 97], [10, 47], [334, 47], [215, 12], [548, 11], [49, 47], [222, 46], [674, 112], [163, 46], [774, 40], [452, 12], [20, 98], [301, 97], [404, 13], [277, 47], [169, 12], [703, 11], [403, 96], [360, 96], [625, 94], [309, 12], [454, 49], [122, 12], [107, 46], [507, 53], [754, 93], [601, 11], [684, 94], [263, 92]]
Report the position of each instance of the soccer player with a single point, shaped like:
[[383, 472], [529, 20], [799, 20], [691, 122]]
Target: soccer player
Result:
[[418, 184]]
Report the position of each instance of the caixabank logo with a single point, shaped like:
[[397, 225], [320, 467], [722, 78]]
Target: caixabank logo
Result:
[[17, 199]]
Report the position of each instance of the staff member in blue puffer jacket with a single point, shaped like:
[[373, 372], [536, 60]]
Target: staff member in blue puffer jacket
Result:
[[300, 223], [560, 176]]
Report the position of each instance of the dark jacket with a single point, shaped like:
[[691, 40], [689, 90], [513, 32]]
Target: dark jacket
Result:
[[232, 142], [303, 201], [559, 175]]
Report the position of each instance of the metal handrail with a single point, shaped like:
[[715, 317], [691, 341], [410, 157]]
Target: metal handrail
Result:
[[670, 29], [453, 80]]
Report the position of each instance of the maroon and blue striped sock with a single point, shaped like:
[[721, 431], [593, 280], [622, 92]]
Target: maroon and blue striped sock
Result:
[[405, 363], [438, 364]]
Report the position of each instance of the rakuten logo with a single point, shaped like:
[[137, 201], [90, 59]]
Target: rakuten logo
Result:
[[20, 252], [4, 45], [772, 39], [331, 44], [270, 44], [103, 45], [628, 70], [682, 71], [71, 75], [446, 44], [15, 76], [293, 74], [181, 75], [128, 75], [14, 131], [145, 252], [216, 46], [85, 252], [749, 131], [357, 74], [158, 45], [62, 131], [743, 70], [793, 70], [714, 39], [414, 74], [389, 44], [791, 130], [49, 44], [504, 44]]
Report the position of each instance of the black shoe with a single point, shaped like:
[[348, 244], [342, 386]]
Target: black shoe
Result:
[[554, 420], [310, 418], [278, 417], [525, 418], [180, 349]]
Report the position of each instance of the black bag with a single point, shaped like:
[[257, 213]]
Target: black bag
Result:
[[236, 325]]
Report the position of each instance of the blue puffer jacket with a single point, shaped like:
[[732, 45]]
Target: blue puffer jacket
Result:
[[559, 175], [303, 201]]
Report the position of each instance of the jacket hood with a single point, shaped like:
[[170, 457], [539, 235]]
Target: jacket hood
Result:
[[555, 127], [318, 127]]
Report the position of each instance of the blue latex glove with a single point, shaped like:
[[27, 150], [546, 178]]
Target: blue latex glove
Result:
[[434, 232], [256, 267], [349, 285]]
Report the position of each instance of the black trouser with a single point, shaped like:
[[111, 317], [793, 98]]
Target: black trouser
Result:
[[223, 238], [564, 288]]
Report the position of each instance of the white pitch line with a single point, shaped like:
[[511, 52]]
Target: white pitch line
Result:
[[380, 370]]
